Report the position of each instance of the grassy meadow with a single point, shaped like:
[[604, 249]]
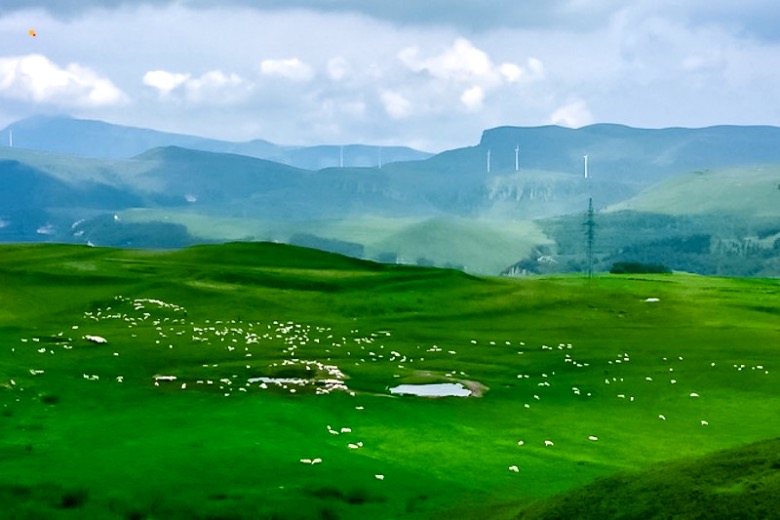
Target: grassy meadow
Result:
[[251, 380]]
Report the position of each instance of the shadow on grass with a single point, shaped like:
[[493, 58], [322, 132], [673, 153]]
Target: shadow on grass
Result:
[[355, 496], [41, 500]]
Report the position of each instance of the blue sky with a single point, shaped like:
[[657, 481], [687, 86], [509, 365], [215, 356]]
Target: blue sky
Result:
[[430, 74]]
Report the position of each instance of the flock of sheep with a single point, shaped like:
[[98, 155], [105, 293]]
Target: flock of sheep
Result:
[[259, 356]]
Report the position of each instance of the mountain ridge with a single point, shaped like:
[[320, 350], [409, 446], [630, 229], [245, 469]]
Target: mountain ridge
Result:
[[452, 208], [99, 139]]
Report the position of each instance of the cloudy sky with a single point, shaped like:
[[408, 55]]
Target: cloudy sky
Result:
[[426, 73]]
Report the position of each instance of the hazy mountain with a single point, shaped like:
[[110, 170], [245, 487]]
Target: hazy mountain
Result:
[[517, 198], [633, 155], [97, 139]]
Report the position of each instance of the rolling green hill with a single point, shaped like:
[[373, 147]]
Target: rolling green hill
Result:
[[251, 380], [748, 191], [736, 483]]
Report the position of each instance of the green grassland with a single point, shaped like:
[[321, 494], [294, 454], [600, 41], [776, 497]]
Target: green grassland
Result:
[[746, 191], [91, 430], [737, 483], [444, 241]]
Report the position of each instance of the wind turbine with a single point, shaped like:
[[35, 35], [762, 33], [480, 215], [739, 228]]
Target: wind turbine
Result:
[[517, 158], [341, 157], [10, 139], [488, 160], [586, 165]]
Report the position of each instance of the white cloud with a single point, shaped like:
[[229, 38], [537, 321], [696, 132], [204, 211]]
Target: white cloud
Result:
[[292, 68], [573, 114], [511, 72], [164, 81], [34, 78], [213, 87], [461, 62], [217, 87], [473, 97], [396, 104], [463, 77]]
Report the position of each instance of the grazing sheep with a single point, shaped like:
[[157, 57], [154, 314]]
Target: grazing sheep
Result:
[[548, 443], [96, 339], [379, 477], [514, 468], [661, 417], [593, 438]]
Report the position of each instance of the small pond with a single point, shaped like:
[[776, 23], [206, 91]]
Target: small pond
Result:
[[433, 390]]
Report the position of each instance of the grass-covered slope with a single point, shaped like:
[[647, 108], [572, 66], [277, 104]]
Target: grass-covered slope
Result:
[[736, 483], [283, 358], [474, 245], [748, 191]]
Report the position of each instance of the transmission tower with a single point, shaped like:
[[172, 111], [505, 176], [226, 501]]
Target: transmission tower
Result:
[[590, 232]]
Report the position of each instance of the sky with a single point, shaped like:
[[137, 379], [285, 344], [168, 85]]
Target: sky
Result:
[[431, 74]]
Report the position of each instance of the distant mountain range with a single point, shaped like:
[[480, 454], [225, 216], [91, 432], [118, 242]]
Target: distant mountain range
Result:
[[514, 199], [97, 139]]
